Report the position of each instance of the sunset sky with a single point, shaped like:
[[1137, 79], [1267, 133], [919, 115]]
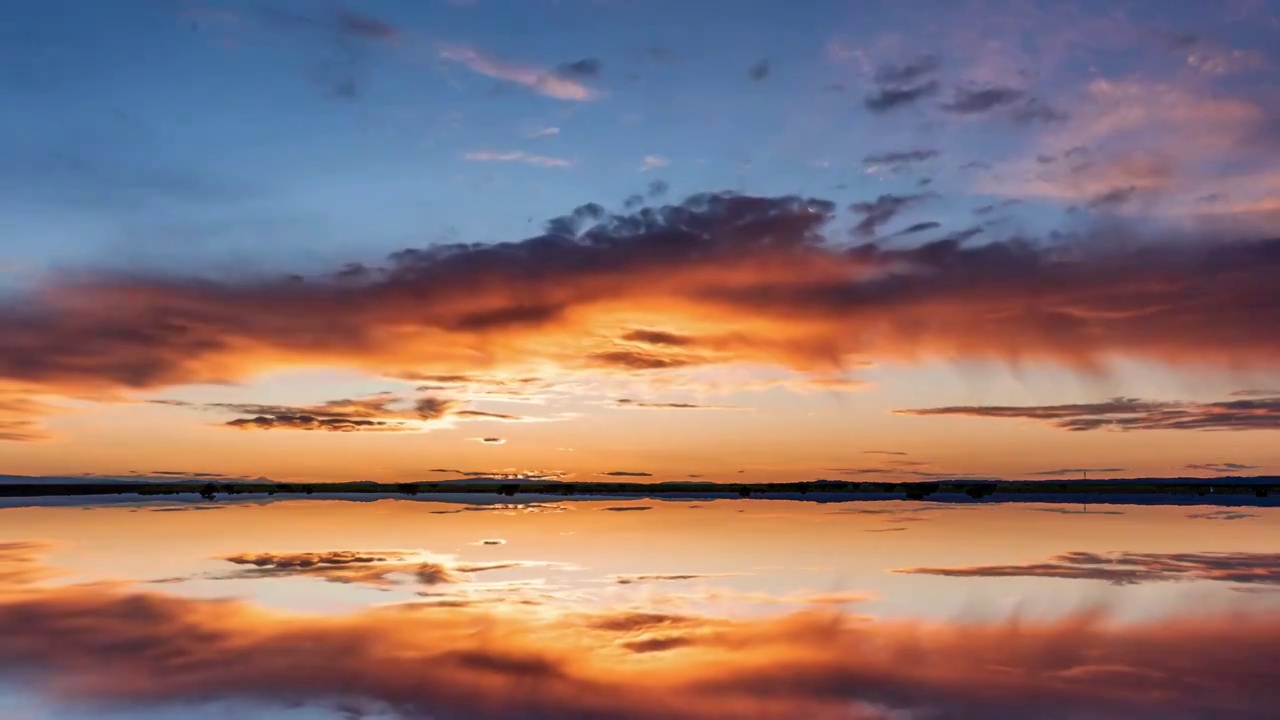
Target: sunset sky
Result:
[[735, 240]]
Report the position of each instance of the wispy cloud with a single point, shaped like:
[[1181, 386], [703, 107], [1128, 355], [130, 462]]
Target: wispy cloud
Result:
[[517, 156], [652, 162], [1222, 467], [540, 80], [1131, 414]]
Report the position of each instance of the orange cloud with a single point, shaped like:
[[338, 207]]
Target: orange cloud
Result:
[[1255, 413], [719, 279]]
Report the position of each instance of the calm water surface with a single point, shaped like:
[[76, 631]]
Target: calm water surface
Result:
[[639, 609]]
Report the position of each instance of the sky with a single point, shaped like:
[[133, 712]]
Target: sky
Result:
[[392, 240]]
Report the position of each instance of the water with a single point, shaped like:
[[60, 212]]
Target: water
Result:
[[638, 609]]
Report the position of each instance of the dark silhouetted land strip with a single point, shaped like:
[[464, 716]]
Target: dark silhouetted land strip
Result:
[[1238, 490]]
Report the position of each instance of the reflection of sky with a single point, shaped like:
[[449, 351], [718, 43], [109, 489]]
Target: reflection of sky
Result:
[[752, 559]]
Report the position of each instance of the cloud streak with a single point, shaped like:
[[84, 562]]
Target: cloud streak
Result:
[[553, 84], [517, 156], [1126, 414]]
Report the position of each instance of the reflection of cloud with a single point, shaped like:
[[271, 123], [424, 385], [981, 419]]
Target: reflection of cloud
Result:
[[108, 644], [1132, 414], [20, 563], [380, 569], [1128, 568]]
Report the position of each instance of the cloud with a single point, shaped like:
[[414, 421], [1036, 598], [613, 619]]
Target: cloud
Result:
[[1255, 393], [22, 417], [585, 68], [909, 72], [627, 473], [668, 577], [1218, 61], [880, 211], [975, 100], [1078, 471], [546, 131], [1226, 467], [885, 99], [759, 70], [1074, 511], [1122, 413], [987, 209], [883, 452], [541, 81], [900, 158], [1222, 515], [918, 228], [1128, 568], [652, 162], [1112, 198], [491, 541], [1173, 143], [639, 405], [381, 412], [517, 156], [365, 26], [490, 440], [761, 272], [895, 86], [634, 360]]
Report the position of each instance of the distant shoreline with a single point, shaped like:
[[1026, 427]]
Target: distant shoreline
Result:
[[1155, 491]]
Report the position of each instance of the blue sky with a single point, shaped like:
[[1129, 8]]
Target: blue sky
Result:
[[154, 132]]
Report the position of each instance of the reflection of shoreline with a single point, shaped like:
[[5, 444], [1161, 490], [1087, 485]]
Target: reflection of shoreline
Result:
[[189, 494]]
